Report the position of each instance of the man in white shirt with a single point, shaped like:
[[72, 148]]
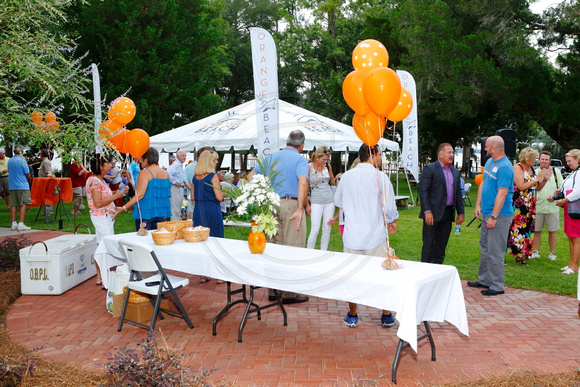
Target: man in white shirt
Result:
[[367, 198], [175, 172]]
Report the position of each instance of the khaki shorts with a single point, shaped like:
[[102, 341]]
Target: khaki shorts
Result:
[[552, 222], [379, 251], [78, 192], [20, 197]]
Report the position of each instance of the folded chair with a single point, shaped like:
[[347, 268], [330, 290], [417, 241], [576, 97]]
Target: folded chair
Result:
[[147, 276], [466, 197]]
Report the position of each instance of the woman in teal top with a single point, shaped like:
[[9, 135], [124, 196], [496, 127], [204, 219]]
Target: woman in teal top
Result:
[[151, 201]]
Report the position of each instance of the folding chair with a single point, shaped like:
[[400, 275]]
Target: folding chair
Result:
[[466, 197], [142, 260]]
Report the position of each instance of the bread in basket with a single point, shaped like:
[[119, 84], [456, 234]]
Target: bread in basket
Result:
[[164, 237], [197, 234], [176, 225]]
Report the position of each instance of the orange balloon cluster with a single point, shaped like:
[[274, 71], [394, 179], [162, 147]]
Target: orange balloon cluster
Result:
[[136, 141], [374, 92], [39, 121]]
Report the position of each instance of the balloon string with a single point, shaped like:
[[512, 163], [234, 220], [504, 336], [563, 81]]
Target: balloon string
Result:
[[126, 163], [382, 194]]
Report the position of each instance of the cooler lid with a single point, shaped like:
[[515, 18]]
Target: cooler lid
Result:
[[58, 245]]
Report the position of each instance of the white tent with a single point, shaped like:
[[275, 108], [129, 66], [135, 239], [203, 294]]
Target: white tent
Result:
[[235, 129]]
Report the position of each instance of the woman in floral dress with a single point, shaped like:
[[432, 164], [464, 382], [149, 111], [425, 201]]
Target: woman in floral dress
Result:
[[521, 235]]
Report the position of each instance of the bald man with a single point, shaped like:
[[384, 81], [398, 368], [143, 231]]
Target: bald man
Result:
[[494, 208]]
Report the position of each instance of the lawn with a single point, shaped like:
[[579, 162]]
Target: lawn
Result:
[[462, 251]]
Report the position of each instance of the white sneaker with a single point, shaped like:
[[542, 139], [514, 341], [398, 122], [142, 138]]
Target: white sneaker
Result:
[[23, 228], [14, 227], [535, 254], [552, 257]]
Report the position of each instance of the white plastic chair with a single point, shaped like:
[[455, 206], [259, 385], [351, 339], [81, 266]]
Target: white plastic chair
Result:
[[142, 260], [466, 197]]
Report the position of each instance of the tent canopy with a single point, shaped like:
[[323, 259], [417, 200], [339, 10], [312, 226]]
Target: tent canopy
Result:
[[235, 129]]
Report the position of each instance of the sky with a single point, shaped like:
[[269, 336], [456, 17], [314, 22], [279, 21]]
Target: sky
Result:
[[541, 5]]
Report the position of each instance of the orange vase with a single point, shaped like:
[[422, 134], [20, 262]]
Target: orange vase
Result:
[[257, 241]]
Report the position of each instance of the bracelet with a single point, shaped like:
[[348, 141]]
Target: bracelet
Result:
[[125, 208]]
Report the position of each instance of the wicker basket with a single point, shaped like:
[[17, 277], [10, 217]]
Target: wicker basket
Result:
[[176, 225], [195, 236], [164, 238]]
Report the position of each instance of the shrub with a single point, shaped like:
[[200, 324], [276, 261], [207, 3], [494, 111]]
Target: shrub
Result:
[[153, 365], [10, 252], [13, 370]]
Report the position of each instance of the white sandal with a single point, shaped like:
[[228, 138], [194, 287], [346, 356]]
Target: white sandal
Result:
[[568, 271], [565, 268]]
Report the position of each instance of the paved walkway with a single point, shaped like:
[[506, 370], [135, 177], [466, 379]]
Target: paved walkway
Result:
[[519, 330]]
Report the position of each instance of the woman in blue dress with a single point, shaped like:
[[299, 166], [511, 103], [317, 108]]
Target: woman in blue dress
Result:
[[151, 200], [207, 195]]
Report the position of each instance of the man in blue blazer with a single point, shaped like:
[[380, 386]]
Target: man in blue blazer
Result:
[[440, 196]]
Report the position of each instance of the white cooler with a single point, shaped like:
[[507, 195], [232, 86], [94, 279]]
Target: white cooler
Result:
[[65, 262]]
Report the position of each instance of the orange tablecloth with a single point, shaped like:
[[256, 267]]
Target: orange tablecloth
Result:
[[43, 187]]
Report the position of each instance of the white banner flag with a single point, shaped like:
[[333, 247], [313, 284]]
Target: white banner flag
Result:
[[97, 97], [410, 153], [265, 65]]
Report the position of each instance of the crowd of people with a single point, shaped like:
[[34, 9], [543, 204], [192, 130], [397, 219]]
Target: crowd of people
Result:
[[514, 202]]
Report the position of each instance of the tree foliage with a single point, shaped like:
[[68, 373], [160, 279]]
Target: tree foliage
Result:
[[166, 55], [40, 70]]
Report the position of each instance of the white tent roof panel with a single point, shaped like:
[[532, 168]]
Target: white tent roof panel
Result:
[[236, 128]]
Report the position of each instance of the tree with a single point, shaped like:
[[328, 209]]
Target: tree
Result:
[[166, 55], [240, 15], [560, 32], [39, 70]]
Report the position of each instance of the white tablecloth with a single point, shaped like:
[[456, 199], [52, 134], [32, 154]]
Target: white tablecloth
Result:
[[419, 292]]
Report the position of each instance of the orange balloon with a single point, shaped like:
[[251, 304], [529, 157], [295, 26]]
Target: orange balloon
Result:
[[119, 141], [352, 90], [403, 108], [36, 116], [369, 55], [122, 110], [369, 128], [382, 90], [109, 129], [50, 117], [478, 179], [137, 142]]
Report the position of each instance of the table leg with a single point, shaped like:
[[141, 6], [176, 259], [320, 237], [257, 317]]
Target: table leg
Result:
[[250, 307], [401, 346]]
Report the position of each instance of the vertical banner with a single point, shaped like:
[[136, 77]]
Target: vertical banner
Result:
[[265, 64], [98, 119], [410, 153]]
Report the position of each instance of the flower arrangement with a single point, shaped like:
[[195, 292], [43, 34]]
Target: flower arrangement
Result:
[[258, 198]]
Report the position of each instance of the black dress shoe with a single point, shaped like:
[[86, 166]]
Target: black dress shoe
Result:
[[489, 292], [295, 300], [476, 284]]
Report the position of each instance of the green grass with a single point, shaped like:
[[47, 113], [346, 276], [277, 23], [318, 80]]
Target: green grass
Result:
[[462, 251]]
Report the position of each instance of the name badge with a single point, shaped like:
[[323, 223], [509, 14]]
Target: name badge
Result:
[[494, 169]]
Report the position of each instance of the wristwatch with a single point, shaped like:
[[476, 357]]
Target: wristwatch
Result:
[[493, 217]]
